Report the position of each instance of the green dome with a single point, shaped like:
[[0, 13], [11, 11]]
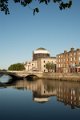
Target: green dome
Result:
[[40, 48]]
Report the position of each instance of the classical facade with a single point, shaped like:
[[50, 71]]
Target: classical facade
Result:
[[43, 61], [31, 65], [68, 61], [41, 56]]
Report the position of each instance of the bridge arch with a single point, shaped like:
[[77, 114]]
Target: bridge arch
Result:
[[31, 77], [12, 75]]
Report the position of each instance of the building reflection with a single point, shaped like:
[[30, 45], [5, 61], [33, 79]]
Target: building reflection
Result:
[[66, 92], [69, 93]]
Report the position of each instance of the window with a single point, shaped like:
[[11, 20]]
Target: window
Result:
[[61, 56], [71, 59], [74, 53], [44, 61], [74, 58], [67, 59], [59, 60], [66, 65], [59, 65]]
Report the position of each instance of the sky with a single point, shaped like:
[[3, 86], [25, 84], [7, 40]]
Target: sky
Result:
[[21, 32]]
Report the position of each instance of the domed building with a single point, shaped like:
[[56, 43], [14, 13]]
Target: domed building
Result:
[[40, 58], [40, 53]]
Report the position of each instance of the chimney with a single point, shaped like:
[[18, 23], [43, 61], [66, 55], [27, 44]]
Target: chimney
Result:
[[65, 51], [72, 49], [78, 49]]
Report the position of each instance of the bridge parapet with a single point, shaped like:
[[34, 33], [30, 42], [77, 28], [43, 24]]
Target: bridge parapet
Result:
[[23, 74]]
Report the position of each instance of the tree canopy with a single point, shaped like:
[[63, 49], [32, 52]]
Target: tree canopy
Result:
[[4, 4], [17, 67], [50, 67]]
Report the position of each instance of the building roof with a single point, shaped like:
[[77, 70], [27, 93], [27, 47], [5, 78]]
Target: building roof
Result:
[[41, 50], [72, 49]]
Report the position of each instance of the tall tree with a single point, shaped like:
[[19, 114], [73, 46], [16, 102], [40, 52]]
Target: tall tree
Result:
[[50, 67], [62, 5], [53, 67]]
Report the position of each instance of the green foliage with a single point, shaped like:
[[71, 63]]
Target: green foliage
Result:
[[77, 65], [17, 66], [62, 5], [36, 10], [4, 6], [50, 67]]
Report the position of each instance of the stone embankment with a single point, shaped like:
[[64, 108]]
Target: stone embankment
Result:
[[62, 76]]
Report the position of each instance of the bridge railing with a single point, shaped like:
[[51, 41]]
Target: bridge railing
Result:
[[25, 72]]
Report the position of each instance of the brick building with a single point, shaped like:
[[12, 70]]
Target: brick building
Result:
[[68, 61]]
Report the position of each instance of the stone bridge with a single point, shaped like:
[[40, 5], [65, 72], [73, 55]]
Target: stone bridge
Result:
[[22, 74]]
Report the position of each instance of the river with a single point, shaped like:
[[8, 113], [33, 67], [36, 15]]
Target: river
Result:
[[39, 99]]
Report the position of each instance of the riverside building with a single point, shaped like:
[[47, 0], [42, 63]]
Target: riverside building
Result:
[[69, 61], [41, 56]]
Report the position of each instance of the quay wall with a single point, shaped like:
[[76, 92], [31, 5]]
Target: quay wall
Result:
[[62, 76]]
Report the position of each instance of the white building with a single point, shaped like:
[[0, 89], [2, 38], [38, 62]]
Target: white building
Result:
[[41, 56], [31, 65], [41, 63]]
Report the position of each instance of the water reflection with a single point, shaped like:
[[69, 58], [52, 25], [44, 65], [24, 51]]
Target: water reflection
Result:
[[66, 92], [4, 78]]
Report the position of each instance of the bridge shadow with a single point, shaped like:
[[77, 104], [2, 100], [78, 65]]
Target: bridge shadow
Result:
[[31, 77]]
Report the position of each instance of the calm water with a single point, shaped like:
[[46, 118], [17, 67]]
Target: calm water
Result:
[[39, 100]]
